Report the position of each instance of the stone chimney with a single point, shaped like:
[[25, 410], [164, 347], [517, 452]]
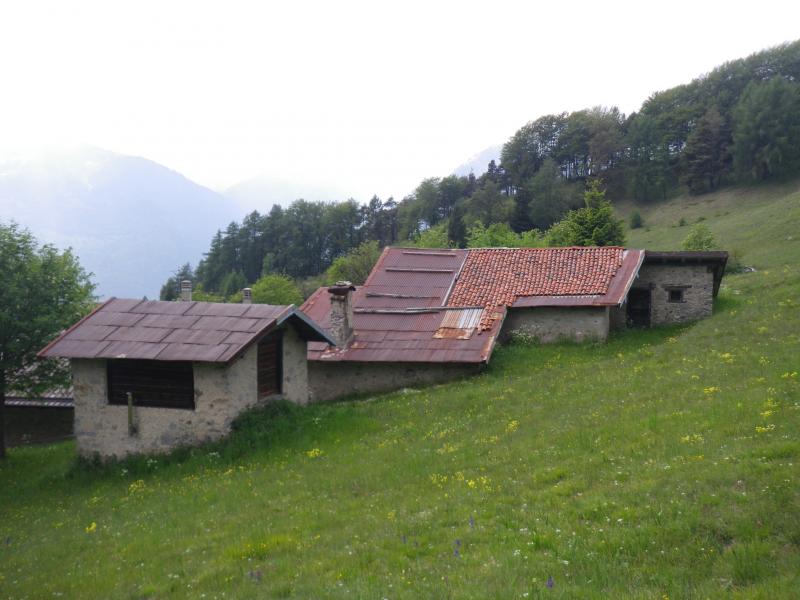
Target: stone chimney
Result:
[[247, 296], [341, 327], [186, 291]]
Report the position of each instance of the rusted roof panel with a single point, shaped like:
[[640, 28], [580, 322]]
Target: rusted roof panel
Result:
[[225, 323], [190, 331], [118, 319], [138, 334], [139, 350], [91, 333], [202, 336], [216, 309], [156, 307], [169, 321], [464, 318], [79, 349]]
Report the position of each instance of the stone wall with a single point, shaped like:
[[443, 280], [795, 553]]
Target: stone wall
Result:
[[331, 380], [696, 281], [551, 324], [617, 316], [222, 392], [295, 367]]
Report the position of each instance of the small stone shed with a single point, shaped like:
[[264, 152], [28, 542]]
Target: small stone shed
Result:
[[149, 376], [429, 315]]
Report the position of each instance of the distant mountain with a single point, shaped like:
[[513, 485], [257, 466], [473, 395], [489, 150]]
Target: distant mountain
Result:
[[130, 221], [260, 193], [478, 163]]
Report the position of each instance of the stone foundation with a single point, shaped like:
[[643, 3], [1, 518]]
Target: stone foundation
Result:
[[331, 380]]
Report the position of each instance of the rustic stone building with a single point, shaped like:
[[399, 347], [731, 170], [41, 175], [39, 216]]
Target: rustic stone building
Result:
[[150, 376], [426, 316]]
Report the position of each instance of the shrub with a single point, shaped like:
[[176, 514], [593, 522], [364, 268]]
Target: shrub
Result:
[[636, 220], [700, 238], [276, 289]]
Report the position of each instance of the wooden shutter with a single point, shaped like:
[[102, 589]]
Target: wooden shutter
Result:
[[270, 368], [153, 383]]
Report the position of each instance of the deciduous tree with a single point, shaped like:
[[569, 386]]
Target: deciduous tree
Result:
[[43, 292]]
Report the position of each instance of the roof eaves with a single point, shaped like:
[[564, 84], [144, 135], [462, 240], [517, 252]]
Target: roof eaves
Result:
[[488, 347], [43, 352], [618, 289], [295, 313]]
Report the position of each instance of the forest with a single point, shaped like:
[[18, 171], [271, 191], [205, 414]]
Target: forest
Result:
[[738, 123]]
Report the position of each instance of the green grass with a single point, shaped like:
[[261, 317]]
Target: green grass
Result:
[[661, 464]]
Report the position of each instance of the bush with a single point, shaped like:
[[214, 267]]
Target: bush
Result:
[[276, 289], [700, 238], [636, 220]]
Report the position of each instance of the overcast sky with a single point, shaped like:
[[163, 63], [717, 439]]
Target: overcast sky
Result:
[[363, 97]]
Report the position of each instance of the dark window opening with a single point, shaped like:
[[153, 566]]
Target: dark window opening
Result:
[[639, 307], [675, 295], [152, 383], [270, 365]]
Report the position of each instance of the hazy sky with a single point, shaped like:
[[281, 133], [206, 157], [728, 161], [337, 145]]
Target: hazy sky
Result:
[[364, 97]]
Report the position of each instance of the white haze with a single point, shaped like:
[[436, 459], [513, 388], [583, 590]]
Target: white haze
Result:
[[365, 97]]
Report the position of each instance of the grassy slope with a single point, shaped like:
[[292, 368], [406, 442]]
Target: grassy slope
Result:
[[662, 464]]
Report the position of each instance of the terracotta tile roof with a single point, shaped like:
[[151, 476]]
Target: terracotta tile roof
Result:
[[192, 331], [495, 276]]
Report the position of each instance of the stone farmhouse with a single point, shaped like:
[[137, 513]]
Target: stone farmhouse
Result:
[[150, 376], [426, 316]]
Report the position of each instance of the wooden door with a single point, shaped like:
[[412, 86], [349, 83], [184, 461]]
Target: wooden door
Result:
[[270, 367]]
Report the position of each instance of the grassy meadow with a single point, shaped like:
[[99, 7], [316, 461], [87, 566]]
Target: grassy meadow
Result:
[[662, 464]]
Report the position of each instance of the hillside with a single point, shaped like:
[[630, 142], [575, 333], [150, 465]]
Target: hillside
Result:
[[662, 464], [130, 221]]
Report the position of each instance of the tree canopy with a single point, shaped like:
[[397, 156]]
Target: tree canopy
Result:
[[276, 289], [44, 291], [740, 122]]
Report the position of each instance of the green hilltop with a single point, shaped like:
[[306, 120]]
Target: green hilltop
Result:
[[662, 464]]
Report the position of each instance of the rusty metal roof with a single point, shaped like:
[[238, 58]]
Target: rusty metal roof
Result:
[[192, 331], [401, 307], [422, 305]]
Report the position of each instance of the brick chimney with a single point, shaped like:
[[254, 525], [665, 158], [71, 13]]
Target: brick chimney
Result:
[[341, 327], [247, 296], [186, 291]]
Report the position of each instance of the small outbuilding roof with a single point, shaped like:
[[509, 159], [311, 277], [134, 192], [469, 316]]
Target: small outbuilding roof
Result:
[[172, 331]]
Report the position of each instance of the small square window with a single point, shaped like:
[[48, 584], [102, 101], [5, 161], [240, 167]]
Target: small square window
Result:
[[676, 295]]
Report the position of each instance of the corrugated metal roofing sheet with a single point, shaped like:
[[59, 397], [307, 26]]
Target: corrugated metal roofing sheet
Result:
[[388, 329]]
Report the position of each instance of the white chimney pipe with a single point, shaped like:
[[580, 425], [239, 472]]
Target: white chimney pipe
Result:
[[247, 296]]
